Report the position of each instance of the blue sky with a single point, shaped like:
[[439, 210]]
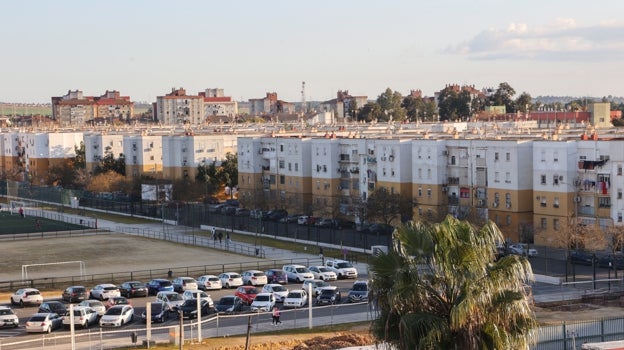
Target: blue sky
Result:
[[144, 48]]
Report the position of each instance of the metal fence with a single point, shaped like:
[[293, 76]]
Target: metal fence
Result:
[[572, 334]]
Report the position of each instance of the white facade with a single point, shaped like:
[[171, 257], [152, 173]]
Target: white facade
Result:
[[97, 146]]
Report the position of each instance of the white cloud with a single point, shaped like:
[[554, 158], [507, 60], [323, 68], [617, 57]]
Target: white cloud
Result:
[[561, 40]]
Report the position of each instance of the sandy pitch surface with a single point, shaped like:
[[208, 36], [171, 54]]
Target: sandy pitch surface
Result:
[[103, 254]]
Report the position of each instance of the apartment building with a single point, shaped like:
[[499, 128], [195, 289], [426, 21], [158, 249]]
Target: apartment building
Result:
[[99, 145], [182, 154], [342, 104], [216, 104], [270, 105], [177, 107], [13, 148], [143, 155]]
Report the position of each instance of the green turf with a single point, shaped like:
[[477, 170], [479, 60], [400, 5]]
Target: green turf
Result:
[[11, 224]]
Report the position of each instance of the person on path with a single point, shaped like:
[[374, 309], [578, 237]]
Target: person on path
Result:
[[214, 231], [21, 212], [228, 239], [214, 237], [276, 316], [220, 237]]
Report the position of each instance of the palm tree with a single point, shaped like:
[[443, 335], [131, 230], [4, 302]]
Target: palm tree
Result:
[[440, 287]]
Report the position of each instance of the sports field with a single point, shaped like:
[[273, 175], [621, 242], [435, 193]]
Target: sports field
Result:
[[14, 223]]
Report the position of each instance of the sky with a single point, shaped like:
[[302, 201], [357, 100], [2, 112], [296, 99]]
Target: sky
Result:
[[144, 48]]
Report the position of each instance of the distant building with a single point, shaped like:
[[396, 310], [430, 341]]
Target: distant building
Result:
[[177, 107], [270, 106], [216, 104], [75, 109], [340, 105]]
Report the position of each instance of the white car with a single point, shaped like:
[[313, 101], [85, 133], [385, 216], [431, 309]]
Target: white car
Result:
[[84, 316], [296, 298], [323, 273], [117, 316], [263, 302], [298, 273], [172, 300], [96, 305], [104, 291], [26, 296], [8, 318], [43, 323], [522, 249], [317, 285], [209, 282], [231, 280], [254, 278], [279, 291], [192, 294]]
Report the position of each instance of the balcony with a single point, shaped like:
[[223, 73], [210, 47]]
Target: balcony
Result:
[[453, 181], [586, 210]]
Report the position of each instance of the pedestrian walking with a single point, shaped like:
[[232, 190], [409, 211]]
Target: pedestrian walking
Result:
[[276, 316], [220, 237], [228, 238], [214, 231], [214, 237], [21, 212]]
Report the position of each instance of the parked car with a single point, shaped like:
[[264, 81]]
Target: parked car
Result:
[[133, 289], [522, 249], [342, 268], [8, 318], [231, 279], [159, 313], [296, 298], [379, 229], [291, 218], [297, 273], [328, 296], [359, 292], [171, 299], [343, 224], [306, 220], [26, 296], [316, 286], [581, 257], [117, 316], [263, 302], [189, 308], [159, 285], [74, 294], [242, 212], [324, 222], [180, 284], [254, 278], [279, 291], [277, 215], [192, 294], [96, 305], [209, 282], [84, 317], [43, 323], [116, 301], [246, 293], [323, 273], [55, 307], [228, 210], [276, 276], [229, 304], [614, 262], [104, 291]]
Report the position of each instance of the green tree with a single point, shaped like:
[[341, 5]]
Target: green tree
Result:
[[523, 102], [228, 173], [390, 103], [110, 163], [441, 287], [80, 161], [384, 206], [369, 112], [207, 175], [504, 97]]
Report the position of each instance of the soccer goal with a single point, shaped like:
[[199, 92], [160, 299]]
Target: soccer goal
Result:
[[21, 207], [41, 268]]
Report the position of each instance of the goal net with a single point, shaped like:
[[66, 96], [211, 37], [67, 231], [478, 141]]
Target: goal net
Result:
[[21, 207], [59, 269]]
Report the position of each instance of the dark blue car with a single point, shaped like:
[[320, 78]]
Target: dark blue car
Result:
[[159, 285]]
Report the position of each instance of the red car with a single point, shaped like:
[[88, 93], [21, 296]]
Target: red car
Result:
[[247, 293], [116, 301]]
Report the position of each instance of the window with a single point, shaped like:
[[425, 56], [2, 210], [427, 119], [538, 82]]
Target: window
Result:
[[296, 166], [508, 220], [556, 180], [543, 223], [289, 166], [556, 202], [429, 192], [507, 156], [281, 148], [604, 202], [619, 170], [318, 185], [619, 193], [619, 217], [496, 177], [543, 179], [453, 160], [543, 201], [419, 192], [281, 164], [419, 173], [496, 156], [556, 224], [508, 177], [428, 174]]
